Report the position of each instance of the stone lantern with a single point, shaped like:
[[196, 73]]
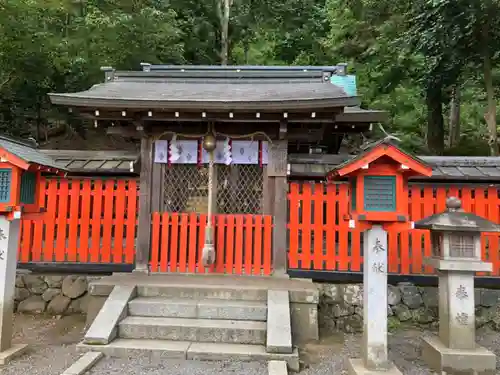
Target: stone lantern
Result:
[[456, 255]]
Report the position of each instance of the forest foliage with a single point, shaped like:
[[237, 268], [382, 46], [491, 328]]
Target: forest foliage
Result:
[[432, 64]]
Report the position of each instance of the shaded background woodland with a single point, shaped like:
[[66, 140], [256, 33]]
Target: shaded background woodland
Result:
[[432, 64]]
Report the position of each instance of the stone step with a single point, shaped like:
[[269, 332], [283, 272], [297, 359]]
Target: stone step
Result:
[[199, 330], [160, 349], [203, 292], [202, 309]]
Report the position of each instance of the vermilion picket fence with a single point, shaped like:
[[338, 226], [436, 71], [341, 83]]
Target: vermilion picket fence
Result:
[[243, 243], [320, 239], [95, 221], [85, 221]]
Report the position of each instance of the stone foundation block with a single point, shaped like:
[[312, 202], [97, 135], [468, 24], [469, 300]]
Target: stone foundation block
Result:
[[440, 358], [357, 367]]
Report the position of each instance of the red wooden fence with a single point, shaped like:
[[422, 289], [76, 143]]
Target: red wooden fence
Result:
[[86, 221], [243, 243], [95, 220], [320, 238]]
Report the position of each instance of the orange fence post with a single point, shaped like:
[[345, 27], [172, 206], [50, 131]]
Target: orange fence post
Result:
[[131, 221], [257, 261], [164, 247], [319, 200], [268, 241], [119, 221], [107, 222], [331, 226], [62, 220], [193, 243], [74, 220], [230, 232], [293, 225], [25, 230], [183, 243], [96, 222], [248, 243], [83, 248], [238, 246], [343, 227], [174, 242]]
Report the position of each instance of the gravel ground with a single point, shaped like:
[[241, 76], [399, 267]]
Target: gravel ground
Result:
[[51, 345], [327, 357], [52, 350]]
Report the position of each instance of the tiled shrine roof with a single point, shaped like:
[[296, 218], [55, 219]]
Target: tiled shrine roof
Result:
[[217, 89]]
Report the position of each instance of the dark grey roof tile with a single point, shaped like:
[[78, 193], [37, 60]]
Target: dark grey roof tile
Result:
[[490, 171], [437, 172], [471, 171], [193, 94], [111, 164], [94, 164], [451, 171], [77, 164]]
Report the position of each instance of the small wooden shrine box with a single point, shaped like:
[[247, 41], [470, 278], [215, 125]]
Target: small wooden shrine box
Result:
[[21, 167], [379, 182]]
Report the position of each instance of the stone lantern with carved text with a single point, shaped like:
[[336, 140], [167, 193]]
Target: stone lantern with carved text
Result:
[[456, 255]]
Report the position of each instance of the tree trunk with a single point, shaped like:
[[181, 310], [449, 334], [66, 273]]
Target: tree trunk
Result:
[[435, 122], [454, 136], [38, 121], [491, 112], [224, 15], [246, 49]]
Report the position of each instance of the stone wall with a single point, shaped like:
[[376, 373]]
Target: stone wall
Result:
[[53, 295], [341, 306]]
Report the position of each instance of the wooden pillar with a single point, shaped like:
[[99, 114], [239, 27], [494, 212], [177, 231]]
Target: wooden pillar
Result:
[[267, 193], [277, 178], [143, 245], [157, 193]]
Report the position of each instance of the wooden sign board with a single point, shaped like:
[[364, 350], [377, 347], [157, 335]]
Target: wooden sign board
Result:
[[278, 159]]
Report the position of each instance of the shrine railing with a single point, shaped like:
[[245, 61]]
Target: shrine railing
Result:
[[243, 243], [321, 240], [93, 223], [86, 221]]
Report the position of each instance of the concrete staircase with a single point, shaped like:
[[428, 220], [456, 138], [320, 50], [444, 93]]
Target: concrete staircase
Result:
[[213, 322]]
